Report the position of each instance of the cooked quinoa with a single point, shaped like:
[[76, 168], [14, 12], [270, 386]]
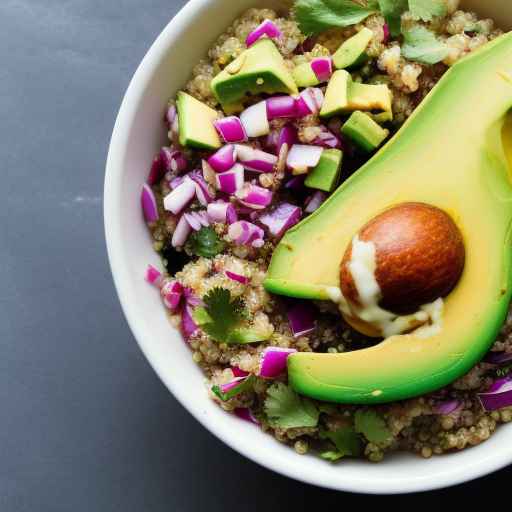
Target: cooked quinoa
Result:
[[415, 425]]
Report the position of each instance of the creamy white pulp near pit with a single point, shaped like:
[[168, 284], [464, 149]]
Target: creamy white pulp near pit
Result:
[[426, 322]]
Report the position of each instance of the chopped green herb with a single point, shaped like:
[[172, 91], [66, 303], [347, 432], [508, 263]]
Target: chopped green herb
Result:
[[331, 456], [346, 441], [286, 409], [205, 242], [426, 10], [221, 316], [392, 11], [244, 385], [422, 45], [372, 426], [315, 16]]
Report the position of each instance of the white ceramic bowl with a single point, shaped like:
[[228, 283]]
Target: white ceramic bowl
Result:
[[138, 134]]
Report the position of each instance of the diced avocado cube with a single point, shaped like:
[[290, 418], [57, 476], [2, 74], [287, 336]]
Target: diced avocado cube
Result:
[[304, 75], [259, 69], [196, 123], [325, 175], [336, 95], [352, 52], [364, 131], [369, 97], [344, 95]]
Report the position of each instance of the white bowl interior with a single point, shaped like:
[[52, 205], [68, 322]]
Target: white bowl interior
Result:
[[137, 136]]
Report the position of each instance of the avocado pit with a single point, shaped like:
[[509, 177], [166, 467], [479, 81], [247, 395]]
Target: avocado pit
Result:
[[416, 254]]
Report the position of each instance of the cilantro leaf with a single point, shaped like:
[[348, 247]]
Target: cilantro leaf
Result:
[[205, 242], [286, 409], [372, 426], [331, 455], [220, 316], [421, 45], [315, 16], [392, 11], [426, 10], [345, 439], [245, 385]]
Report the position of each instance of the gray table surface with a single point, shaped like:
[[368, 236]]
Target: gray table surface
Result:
[[86, 425]]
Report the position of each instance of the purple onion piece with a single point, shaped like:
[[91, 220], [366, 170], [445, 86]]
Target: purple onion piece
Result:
[[315, 201], [498, 358], [296, 183], [170, 115], [157, 170], [302, 318], [178, 199], [231, 181], [273, 362], [499, 395], [287, 135], [149, 204], [244, 413], [204, 196], [302, 157], [231, 129], [255, 121], [267, 28], [188, 326], [387, 33], [245, 233], [154, 276], [447, 407], [281, 219], [181, 232], [281, 107], [238, 372], [322, 67], [224, 159], [173, 160], [254, 196], [327, 139], [255, 160], [171, 295], [237, 277]]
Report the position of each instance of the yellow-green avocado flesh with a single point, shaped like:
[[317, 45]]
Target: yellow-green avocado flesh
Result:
[[454, 152]]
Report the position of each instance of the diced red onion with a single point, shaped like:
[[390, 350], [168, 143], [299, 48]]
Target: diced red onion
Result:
[[273, 362], [499, 396], [255, 159], [176, 182], [254, 120], [173, 160], [231, 385], [498, 358], [238, 372], [447, 407], [231, 129], [149, 204], [196, 220], [245, 233], [301, 317], [222, 213], [237, 277], [203, 193], [157, 170], [181, 232], [154, 276], [180, 196], [281, 219], [188, 326], [287, 135], [315, 201], [318, 97], [258, 243], [313, 97], [192, 298], [322, 67], [302, 157], [244, 413], [280, 107], [387, 33], [267, 28], [231, 215], [171, 294], [327, 139], [231, 181], [272, 140], [224, 159], [170, 115], [175, 127], [302, 107], [254, 196], [296, 183]]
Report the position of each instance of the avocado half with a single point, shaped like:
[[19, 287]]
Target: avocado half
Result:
[[454, 152]]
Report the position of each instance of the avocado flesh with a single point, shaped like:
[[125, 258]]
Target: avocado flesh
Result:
[[454, 152], [364, 131], [259, 69], [352, 52], [196, 128]]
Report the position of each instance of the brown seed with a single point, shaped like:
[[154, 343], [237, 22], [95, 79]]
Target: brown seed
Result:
[[420, 257]]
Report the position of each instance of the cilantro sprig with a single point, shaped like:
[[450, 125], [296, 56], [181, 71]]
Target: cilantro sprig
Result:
[[286, 409], [421, 45], [345, 439], [372, 426], [205, 242], [222, 318]]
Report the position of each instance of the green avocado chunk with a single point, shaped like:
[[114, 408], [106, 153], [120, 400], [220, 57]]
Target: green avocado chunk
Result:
[[343, 95], [326, 174], [304, 75], [352, 52], [196, 123], [455, 153], [364, 131], [259, 69]]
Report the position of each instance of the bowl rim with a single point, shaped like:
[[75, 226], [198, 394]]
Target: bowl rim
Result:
[[121, 275]]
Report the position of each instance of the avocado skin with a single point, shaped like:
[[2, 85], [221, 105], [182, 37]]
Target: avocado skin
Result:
[[470, 178], [259, 69]]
